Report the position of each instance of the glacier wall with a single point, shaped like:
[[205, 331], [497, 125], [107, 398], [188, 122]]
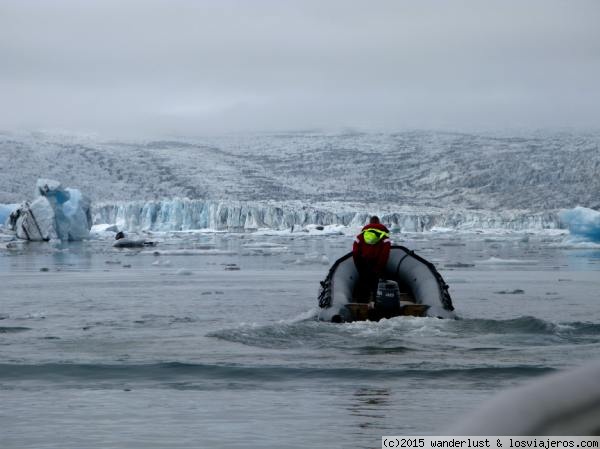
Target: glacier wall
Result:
[[493, 171], [182, 214]]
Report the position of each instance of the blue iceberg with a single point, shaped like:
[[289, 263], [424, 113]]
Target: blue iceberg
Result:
[[56, 213], [582, 222], [5, 211]]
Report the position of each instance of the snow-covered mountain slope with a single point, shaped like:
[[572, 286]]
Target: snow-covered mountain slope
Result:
[[535, 172]]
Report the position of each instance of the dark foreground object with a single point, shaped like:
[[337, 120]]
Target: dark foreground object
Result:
[[412, 287]]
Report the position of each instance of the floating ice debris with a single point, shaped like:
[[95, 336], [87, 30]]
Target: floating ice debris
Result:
[[264, 249], [582, 222], [56, 213], [459, 265], [104, 228], [311, 258], [32, 316], [191, 252], [499, 261], [263, 245], [575, 242]]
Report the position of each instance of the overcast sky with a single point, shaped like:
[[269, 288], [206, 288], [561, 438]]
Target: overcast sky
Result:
[[190, 67]]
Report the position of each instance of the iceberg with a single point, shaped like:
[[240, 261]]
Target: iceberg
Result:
[[582, 222], [56, 213], [5, 211]]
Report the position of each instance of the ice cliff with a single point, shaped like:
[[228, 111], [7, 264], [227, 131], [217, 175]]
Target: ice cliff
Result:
[[187, 214]]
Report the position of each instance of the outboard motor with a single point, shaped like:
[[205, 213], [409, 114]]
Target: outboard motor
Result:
[[387, 302]]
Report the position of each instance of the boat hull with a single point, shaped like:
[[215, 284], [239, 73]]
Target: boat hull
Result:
[[415, 276]]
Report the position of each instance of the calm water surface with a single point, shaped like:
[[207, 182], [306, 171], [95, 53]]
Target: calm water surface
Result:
[[209, 340]]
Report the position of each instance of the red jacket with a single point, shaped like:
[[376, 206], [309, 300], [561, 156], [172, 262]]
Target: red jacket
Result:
[[371, 258]]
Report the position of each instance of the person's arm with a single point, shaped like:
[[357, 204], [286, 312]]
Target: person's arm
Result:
[[384, 254], [356, 253]]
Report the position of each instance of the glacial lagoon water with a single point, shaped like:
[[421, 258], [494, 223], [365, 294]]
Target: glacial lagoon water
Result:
[[210, 340]]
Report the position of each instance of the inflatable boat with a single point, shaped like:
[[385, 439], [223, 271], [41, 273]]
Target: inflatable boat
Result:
[[410, 286]]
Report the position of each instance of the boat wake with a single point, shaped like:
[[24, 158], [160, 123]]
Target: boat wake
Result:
[[403, 334]]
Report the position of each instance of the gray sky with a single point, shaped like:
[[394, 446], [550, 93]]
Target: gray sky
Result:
[[190, 67]]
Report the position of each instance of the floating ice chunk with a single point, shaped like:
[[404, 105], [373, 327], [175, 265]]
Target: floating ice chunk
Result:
[[56, 213], [582, 222], [105, 227], [35, 221], [5, 211], [325, 230]]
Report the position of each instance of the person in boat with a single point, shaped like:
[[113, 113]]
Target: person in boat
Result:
[[370, 252]]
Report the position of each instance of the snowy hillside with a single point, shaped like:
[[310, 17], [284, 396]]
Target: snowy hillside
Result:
[[538, 172]]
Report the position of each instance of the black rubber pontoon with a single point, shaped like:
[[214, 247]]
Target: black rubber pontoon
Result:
[[417, 279]]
